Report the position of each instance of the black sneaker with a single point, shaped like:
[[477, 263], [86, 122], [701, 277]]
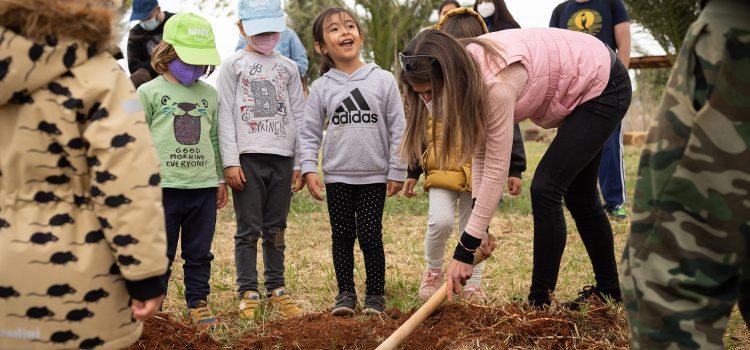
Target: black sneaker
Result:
[[591, 293], [345, 304], [374, 305], [539, 300]]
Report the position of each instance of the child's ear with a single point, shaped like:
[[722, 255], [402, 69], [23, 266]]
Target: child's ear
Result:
[[321, 50]]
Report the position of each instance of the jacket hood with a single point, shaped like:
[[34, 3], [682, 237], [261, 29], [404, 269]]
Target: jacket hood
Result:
[[27, 66], [41, 40], [360, 74]]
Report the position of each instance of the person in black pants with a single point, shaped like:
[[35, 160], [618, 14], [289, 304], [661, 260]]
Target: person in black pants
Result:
[[506, 77], [568, 171], [356, 212]]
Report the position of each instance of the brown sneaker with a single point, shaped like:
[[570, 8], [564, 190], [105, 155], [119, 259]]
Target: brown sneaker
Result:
[[431, 281], [284, 303], [249, 304], [202, 317], [473, 293]]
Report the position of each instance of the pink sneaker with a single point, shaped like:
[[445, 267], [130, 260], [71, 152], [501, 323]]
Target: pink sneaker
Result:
[[431, 281], [473, 293]]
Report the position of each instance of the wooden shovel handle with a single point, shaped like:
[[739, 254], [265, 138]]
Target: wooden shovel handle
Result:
[[427, 308], [415, 320]]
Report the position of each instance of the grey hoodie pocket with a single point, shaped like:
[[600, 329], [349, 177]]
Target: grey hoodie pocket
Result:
[[354, 150]]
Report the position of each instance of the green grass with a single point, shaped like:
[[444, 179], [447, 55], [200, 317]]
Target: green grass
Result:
[[311, 280]]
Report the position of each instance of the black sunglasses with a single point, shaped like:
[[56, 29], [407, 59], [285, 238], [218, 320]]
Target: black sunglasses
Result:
[[417, 63]]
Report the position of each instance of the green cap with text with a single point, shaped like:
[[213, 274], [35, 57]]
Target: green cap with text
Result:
[[192, 38]]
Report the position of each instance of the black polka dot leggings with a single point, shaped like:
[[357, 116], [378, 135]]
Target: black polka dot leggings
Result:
[[356, 212]]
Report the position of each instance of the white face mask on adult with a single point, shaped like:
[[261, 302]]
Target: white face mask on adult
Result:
[[427, 104], [486, 9], [150, 24]]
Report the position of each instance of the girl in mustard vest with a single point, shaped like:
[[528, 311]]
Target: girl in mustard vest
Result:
[[450, 188], [482, 85]]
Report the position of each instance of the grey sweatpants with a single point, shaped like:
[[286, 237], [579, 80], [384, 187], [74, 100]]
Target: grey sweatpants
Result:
[[261, 209], [440, 221]]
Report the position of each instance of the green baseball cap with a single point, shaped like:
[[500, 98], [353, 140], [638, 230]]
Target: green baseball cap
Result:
[[192, 38]]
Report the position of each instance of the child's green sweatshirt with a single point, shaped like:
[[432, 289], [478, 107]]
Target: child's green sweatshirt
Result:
[[184, 127]]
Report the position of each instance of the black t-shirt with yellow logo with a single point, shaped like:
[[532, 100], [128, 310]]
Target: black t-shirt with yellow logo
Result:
[[595, 17]]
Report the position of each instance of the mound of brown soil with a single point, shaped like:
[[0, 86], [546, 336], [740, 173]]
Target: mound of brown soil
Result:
[[453, 326], [164, 333]]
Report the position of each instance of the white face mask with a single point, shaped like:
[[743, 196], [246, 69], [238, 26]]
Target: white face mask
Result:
[[150, 24], [427, 104], [486, 9]]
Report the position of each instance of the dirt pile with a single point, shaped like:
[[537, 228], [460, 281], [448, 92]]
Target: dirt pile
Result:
[[454, 326], [162, 332]]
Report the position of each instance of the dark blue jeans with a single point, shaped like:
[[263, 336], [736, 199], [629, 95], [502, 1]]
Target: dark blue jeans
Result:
[[612, 171], [191, 213]]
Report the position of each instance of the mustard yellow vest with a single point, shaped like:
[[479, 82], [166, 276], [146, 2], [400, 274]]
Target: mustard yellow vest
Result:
[[456, 177]]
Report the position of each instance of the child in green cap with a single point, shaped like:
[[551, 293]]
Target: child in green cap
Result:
[[182, 113]]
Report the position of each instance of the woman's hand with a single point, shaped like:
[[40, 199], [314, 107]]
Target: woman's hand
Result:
[[314, 185], [394, 187], [235, 177], [221, 196], [458, 273], [409, 188], [297, 182]]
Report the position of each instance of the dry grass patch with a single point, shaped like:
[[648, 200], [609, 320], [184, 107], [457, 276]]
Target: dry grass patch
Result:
[[311, 280]]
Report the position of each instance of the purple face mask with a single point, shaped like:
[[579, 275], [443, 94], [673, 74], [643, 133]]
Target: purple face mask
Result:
[[187, 74]]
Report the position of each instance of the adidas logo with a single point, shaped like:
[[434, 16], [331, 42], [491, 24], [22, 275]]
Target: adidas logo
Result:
[[349, 112]]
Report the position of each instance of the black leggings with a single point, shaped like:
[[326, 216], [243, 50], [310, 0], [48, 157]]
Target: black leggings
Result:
[[569, 171], [356, 212]]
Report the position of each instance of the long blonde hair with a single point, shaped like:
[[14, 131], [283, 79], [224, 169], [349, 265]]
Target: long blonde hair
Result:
[[458, 98]]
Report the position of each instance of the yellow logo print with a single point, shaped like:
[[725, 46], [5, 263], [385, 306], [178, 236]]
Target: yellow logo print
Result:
[[587, 21]]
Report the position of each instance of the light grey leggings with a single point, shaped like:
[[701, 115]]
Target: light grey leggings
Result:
[[440, 220]]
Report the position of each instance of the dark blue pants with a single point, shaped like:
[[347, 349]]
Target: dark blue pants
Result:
[[191, 213], [612, 171]]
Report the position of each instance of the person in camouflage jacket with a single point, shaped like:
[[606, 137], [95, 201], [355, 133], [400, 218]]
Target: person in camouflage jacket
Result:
[[687, 260], [82, 238]]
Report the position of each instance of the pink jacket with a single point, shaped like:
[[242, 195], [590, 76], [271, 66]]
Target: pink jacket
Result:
[[565, 69]]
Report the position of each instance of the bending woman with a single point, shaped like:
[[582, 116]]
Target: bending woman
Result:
[[554, 77]]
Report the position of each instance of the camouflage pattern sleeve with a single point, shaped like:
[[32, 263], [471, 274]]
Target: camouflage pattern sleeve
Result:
[[687, 255]]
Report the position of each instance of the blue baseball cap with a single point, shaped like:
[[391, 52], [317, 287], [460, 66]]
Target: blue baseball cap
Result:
[[142, 8], [260, 16]]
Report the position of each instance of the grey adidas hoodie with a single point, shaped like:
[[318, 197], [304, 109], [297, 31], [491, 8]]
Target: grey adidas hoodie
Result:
[[365, 125]]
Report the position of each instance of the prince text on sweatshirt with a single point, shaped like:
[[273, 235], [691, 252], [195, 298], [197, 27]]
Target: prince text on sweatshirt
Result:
[[365, 125], [260, 106]]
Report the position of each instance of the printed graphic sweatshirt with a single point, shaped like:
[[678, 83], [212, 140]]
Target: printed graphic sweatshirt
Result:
[[260, 106], [365, 125], [184, 127]]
